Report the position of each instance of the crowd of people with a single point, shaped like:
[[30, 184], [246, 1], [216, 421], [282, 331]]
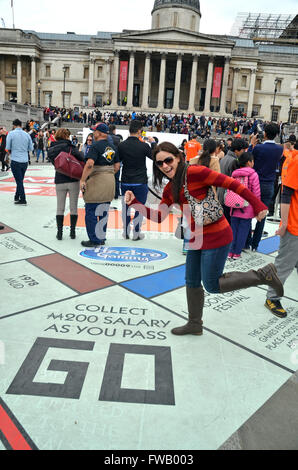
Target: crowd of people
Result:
[[224, 184]]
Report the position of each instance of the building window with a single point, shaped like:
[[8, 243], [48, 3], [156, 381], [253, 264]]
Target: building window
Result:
[[294, 116], [157, 20], [84, 100], [98, 101], [175, 22], [48, 71], [14, 69], [86, 72], [256, 110], [241, 107], [275, 114], [193, 23], [258, 84], [12, 96], [244, 81], [99, 71]]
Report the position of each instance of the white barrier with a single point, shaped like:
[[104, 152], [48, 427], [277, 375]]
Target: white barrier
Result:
[[175, 139]]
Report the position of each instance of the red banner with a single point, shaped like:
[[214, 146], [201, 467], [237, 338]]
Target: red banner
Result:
[[217, 82], [123, 76]]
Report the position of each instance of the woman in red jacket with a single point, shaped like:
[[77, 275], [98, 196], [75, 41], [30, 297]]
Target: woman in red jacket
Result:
[[210, 247]]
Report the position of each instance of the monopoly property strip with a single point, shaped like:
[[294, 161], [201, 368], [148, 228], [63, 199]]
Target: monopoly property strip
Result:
[[12, 434], [72, 274]]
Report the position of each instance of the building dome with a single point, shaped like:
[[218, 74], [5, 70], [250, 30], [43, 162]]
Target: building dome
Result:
[[192, 4], [184, 14]]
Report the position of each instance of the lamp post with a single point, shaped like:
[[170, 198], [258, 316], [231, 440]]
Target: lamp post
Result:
[[64, 72], [38, 87], [275, 91], [291, 101]]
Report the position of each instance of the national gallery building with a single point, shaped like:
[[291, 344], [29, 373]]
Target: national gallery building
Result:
[[170, 68]]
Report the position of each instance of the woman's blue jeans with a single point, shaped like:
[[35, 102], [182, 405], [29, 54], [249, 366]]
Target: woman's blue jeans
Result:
[[206, 267]]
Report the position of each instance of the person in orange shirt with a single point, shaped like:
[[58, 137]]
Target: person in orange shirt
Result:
[[289, 152], [192, 149], [287, 258]]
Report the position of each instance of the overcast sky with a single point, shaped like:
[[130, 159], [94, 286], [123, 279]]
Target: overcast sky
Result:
[[88, 16]]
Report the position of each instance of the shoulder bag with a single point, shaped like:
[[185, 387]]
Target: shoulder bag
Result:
[[68, 165], [204, 212]]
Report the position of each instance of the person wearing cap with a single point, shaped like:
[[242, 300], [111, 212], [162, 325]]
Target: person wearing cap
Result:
[[98, 185]]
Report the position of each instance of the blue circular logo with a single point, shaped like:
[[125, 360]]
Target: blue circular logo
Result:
[[124, 254]]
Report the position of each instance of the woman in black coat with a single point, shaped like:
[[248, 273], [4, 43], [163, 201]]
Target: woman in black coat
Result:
[[4, 163], [64, 184]]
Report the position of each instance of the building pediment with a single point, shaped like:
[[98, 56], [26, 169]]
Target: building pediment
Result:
[[172, 35]]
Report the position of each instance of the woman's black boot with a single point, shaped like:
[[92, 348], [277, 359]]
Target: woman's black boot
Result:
[[59, 219], [73, 223]]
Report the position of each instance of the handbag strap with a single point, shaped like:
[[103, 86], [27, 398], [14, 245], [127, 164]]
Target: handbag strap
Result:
[[186, 192]]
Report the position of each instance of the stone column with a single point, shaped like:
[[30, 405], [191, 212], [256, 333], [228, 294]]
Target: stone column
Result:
[[91, 81], [193, 84], [177, 83], [223, 101], [19, 80], [33, 81], [235, 88], [162, 80], [108, 78], [115, 80], [131, 76], [146, 80], [251, 92], [209, 85]]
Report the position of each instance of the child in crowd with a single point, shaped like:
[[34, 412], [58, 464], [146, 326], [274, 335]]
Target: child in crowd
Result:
[[242, 212]]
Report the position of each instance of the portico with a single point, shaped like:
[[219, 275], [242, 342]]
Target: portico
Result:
[[171, 79]]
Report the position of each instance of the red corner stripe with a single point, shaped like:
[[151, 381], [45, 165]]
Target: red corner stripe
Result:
[[12, 431]]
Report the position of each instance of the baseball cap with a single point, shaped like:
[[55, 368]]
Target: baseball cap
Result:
[[101, 128]]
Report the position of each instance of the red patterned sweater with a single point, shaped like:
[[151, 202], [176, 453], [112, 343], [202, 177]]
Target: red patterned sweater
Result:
[[199, 179]]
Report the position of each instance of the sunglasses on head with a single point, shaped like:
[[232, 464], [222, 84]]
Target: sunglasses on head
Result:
[[167, 161]]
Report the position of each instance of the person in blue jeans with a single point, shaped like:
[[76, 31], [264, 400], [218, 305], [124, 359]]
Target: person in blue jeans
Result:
[[133, 153], [18, 145], [267, 158]]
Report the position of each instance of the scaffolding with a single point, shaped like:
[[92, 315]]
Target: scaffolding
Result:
[[264, 27]]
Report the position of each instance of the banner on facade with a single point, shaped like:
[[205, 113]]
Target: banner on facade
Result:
[[218, 71], [123, 76]]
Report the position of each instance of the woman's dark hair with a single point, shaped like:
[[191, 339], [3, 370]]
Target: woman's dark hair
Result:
[[241, 161], [88, 136], [158, 175], [209, 148]]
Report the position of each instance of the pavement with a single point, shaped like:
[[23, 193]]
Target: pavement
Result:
[[87, 359]]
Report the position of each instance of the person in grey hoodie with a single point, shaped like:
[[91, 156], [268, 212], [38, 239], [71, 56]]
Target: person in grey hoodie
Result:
[[237, 148]]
